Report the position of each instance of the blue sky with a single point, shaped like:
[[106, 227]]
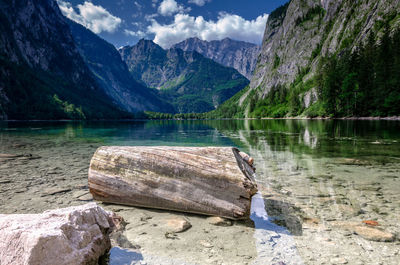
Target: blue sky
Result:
[[124, 22]]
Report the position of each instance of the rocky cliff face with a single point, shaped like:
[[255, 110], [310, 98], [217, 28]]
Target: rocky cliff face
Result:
[[152, 65], [305, 66], [35, 33], [112, 73], [299, 34], [188, 80], [236, 54], [42, 74]]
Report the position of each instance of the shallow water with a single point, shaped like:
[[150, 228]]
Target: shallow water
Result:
[[318, 182]]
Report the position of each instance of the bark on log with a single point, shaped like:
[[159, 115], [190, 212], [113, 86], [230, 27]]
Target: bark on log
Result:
[[205, 180]]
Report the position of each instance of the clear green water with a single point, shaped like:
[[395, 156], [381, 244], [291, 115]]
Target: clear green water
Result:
[[318, 179]]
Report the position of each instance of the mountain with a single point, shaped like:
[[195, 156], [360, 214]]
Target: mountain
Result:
[[325, 58], [112, 73], [42, 74], [236, 54], [188, 80]]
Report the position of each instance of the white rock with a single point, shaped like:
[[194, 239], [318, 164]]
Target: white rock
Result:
[[74, 235]]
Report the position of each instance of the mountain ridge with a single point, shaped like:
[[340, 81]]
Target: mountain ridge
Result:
[[43, 75], [111, 73], [239, 55], [192, 82]]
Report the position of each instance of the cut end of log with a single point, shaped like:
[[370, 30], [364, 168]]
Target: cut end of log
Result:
[[245, 163]]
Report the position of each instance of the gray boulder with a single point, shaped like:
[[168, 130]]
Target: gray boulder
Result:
[[73, 235]]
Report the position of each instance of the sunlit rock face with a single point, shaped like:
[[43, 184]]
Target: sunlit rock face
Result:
[[74, 235], [300, 34], [236, 54]]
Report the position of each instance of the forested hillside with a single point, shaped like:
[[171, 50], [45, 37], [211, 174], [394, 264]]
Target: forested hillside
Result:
[[330, 58]]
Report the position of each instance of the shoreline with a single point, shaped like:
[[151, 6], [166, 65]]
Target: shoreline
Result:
[[391, 118]]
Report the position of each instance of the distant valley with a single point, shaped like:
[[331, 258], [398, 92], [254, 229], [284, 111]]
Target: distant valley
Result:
[[186, 79]]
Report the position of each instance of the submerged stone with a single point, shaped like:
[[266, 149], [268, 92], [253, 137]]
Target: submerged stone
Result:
[[366, 232], [219, 221], [370, 222], [178, 225], [373, 234]]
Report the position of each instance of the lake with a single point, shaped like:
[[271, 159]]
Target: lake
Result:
[[329, 190]]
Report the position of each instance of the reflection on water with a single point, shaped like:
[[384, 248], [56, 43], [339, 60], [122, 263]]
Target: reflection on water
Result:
[[320, 181], [120, 256], [274, 243]]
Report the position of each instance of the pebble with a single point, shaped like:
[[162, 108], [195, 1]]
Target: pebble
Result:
[[21, 190], [310, 220], [5, 181], [170, 235], [86, 197], [205, 244], [373, 234], [371, 222], [178, 225], [145, 218], [339, 261], [219, 221], [81, 186], [53, 191], [80, 193], [9, 156]]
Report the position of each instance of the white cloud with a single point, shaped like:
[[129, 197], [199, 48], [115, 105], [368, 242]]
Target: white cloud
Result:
[[228, 25], [137, 24], [139, 33], [170, 7], [95, 18], [199, 2], [154, 3], [150, 17], [139, 6]]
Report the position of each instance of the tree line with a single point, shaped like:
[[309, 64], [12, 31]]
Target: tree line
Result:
[[365, 81]]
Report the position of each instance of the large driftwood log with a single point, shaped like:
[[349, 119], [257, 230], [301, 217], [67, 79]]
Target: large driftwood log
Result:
[[205, 180]]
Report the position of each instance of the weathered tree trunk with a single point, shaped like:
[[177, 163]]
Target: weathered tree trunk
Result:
[[205, 180]]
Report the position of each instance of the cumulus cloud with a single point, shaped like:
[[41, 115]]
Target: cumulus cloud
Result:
[[228, 25], [139, 33], [199, 2], [95, 18], [170, 7]]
